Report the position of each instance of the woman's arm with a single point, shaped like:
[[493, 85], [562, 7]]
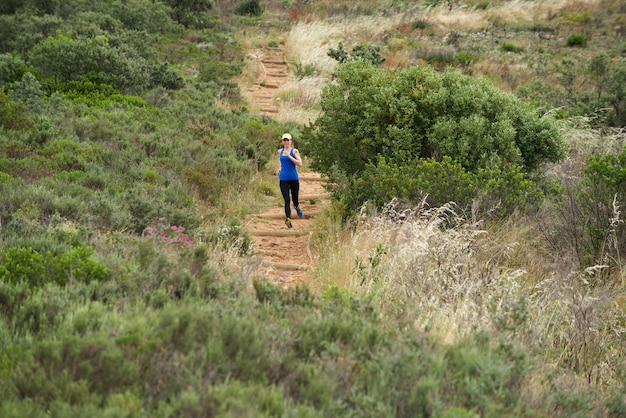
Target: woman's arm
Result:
[[296, 157], [277, 172]]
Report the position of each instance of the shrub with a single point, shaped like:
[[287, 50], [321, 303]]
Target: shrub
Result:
[[28, 91], [189, 13], [25, 265], [420, 24], [229, 236], [397, 118], [142, 15], [603, 101], [249, 8], [511, 47], [494, 191], [267, 292], [367, 53], [69, 155], [66, 58], [163, 75], [576, 39], [603, 189], [83, 90], [418, 112], [466, 58], [204, 181], [14, 115], [21, 31], [259, 141], [217, 71], [307, 70]]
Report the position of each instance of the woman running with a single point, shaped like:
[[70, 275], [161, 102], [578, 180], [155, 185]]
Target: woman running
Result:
[[288, 176]]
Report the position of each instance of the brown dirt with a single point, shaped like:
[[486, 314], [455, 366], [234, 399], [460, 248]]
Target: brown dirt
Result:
[[284, 254], [274, 71], [279, 253]]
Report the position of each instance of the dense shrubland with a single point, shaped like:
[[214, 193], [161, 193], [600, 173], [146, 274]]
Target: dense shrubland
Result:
[[472, 264], [388, 127]]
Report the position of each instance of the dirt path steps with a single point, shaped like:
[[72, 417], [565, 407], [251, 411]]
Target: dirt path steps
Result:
[[284, 254], [279, 253], [274, 72]]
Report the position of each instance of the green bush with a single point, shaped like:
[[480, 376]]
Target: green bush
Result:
[[83, 90], [189, 13], [418, 112], [307, 70], [142, 15], [12, 68], [367, 53], [576, 39], [163, 75], [67, 155], [25, 265], [21, 31], [478, 379], [602, 99], [511, 47], [420, 24], [465, 58], [267, 292], [217, 71], [14, 115], [493, 191], [602, 199], [64, 58], [396, 119], [249, 8]]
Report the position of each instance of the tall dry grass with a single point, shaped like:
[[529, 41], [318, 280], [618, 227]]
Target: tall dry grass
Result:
[[442, 274], [309, 42]]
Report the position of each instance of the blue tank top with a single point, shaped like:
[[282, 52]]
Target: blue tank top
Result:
[[287, 167]]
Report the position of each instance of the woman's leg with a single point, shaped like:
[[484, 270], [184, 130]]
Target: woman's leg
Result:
[[295, 192], [284, 190]]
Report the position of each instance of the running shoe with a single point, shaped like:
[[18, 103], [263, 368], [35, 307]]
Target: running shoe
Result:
[[288, 223], [299, 212]]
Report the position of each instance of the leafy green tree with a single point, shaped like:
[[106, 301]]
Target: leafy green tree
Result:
[[371, 113], [150, 16], [8, 7], [12, 68], [415, 132], [21, 31], [29, 92], [65, 58]]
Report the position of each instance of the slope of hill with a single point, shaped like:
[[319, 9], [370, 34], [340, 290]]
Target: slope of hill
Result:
[[136, 277]]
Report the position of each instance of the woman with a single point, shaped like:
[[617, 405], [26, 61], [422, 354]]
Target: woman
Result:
[[288, 176]]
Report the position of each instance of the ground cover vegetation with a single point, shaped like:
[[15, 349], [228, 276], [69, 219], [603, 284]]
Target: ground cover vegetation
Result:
[[472, 262]]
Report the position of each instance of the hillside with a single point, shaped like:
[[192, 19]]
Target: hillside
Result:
[[145, 267]]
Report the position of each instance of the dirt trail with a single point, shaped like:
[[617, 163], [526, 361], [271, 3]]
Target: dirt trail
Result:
[[283, 254], [274, 72]]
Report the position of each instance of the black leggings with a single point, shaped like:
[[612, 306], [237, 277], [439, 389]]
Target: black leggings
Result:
[[294, 186]]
